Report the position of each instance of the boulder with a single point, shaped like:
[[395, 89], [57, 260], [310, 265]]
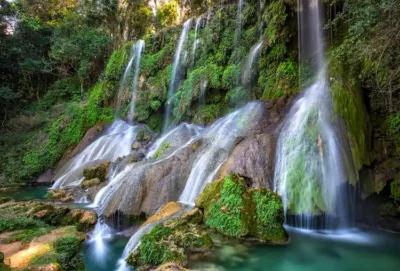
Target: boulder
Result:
[[100, 171], [253, 158], [60, 195], [167, 211], [136, 145], [89, 183], [169, 243], [233, 209]]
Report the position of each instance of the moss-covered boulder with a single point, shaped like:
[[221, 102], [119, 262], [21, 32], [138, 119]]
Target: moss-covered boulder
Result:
[[169, 243], [233, 209], [89, 183], [60, 195], [100, 171]]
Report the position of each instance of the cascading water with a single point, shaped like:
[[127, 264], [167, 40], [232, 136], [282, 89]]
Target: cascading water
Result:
[[239, 22], [125, 77], [309, 172], [116, 142], [175, 76], [221, 137], [249, 65], [195, 41], [138, 54]]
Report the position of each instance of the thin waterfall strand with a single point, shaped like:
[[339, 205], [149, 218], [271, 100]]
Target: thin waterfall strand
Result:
[[175, 71], [138, 52]]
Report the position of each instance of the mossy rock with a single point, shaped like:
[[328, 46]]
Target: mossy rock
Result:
[[169, 243], [163, 147], [100, 171], [395, 190], [89, 183], [234, 210]]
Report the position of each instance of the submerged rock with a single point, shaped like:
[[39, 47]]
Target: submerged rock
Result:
[[234, 210]]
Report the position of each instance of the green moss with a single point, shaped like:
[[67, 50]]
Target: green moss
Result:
[[233, 210], [348, 104], [69, 253], [225, 215], [395, 190], [163, 147], [170, 242], [269, 215]]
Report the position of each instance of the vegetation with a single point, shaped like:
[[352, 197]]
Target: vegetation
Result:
[[234, 210], [169, 243]]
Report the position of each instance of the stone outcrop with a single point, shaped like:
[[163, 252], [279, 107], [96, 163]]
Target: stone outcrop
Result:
[[253, 158], [233, 209], [100, 172], [167, 245]]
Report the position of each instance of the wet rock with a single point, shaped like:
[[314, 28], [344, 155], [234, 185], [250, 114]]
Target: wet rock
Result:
[[136, 145], [89, 183], [100, 171], [253, 158], [233, 209], [89, 138], [194, 216], [169, 243], [46, 177], [60, 195], [152, 185], [167, 211], [137, 156]]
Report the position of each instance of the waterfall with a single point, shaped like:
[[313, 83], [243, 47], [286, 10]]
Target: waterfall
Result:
[[132, 245], [309, 171], [123, 182], [195, 41], [125, 77], [175, 71], [221, 138], [248, 67], [115, 143], [138, 53], [239, 21]]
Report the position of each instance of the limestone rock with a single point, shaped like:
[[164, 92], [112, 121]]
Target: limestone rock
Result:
[[89, 183], [60, 195], [233, 209], [167, 211], [169, 243], [253, 158], [100, 171]]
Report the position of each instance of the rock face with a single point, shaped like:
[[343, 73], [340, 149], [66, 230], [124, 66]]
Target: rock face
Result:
[[253, 158], [233, 209], [100, 172]]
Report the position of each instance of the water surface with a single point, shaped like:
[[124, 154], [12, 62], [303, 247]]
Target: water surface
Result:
[[363, 250]]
